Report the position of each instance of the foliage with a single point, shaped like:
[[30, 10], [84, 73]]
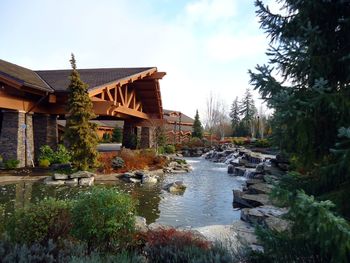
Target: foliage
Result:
[[170, 245], [48, 219], [65, 251], [316, 233], [45, 163], [60, 156], [161, 150], [262, 143], [170, 149], [2, 219], [117, 135], [118, 162], [131, 141], [106, 137], [160, 136], [197, 127], [1, 159], [11, 164], [235, 114], [80, 134], [104, 219], [311, 54]]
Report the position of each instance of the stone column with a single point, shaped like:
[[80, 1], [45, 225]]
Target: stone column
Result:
[[45, 131], [16, 140], [147, 137], [129, 135]]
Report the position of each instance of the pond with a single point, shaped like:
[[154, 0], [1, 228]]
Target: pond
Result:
[[206, 201]]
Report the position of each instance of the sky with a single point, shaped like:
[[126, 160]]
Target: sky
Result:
[[204, 46]]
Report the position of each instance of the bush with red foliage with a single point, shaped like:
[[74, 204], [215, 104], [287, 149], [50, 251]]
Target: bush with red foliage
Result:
[[180, 239], [133, 159]]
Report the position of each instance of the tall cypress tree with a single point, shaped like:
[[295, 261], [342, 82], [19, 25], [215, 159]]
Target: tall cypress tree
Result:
[[234, 114], [80, 134], [197, 127]]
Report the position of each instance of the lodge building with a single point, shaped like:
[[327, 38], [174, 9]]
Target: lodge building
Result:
[[32, 101]]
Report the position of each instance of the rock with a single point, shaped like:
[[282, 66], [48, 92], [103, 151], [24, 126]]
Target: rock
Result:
[[86, 181], [260, 188], [139, 174], [134, 180], [50, 181], [277, 224], [246, 234], [157, 226], [230, 169], [238, 201], [272, 170], [146, 179], [82, 174], [252, 216], [118, 162], [250, 182], [283, 166], [250, 165], [141, 224], [72, 182], [158, 172], [61, 166], [57, 176], [259, 168], [176, 187], [256, 199], [239, 171]]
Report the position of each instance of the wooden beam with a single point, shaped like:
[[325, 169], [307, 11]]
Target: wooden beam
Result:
[[156, 75], [52, 98], [108, 108]]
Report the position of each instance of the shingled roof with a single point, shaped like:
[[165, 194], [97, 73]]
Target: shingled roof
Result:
[[59, 79], [24, 76], [169, 117]]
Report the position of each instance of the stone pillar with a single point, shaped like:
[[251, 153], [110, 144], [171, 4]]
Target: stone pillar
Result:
[[16, 139], [147, 137], [45, 131], [129, 135]]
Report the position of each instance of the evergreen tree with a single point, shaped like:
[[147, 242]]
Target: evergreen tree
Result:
[[81, 135], [197, 127], [117, 134], [234, 115], [247, 107], [310, 50]]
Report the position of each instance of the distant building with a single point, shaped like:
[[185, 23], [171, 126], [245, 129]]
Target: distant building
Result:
[[178, 126]]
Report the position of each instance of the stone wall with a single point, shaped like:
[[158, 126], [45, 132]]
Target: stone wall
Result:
[[147, 137], [16, 139], [45, 131]]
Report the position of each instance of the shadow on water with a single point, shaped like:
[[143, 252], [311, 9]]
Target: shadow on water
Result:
[[206, 201]]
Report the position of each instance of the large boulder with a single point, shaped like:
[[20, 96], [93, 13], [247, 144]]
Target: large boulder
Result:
[[147, 179], [72, 182], [230, 169], [50, 181], [260, 188], [176, 187], [82, 174], [86, 181], [141, 224], [58, 176]]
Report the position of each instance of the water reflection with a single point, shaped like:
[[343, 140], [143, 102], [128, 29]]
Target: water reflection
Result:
[[206, 201]]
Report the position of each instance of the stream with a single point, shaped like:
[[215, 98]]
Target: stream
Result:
[[206, 201]]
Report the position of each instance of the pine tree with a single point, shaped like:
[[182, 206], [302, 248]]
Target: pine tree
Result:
[[117, 134], [247, 106], [310, 50], [80, 134], [197, 127], [234, 115]]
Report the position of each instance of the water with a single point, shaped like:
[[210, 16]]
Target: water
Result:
[[206, 201]]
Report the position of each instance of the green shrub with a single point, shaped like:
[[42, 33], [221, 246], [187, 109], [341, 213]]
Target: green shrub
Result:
[[263, 143], [61, 156], [2, 219], [118, 162], [161, 150], [117, 135], [169, 149], [45, 163], [317, 234], [48, 219], [11, 164], [104, 218]]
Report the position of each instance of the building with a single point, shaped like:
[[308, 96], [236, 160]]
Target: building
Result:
[[31, 102], [178, 126]]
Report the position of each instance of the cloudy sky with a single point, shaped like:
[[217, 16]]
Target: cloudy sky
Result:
[[203, 45]]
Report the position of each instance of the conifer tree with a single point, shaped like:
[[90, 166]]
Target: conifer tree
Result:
[[247, 106], [197, 127], [234, 114], [117, 134], [310, 50], [80, 134]]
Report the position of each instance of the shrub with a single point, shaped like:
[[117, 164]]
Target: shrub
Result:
[[117, 135], [2, 219], [169, 149], [104, 218], [195, 142], [61, 156], [170, 245], [49, 219], [263, 143], [1, 159], [11, 164], [118, 162], [161, 150], [45, 163]]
